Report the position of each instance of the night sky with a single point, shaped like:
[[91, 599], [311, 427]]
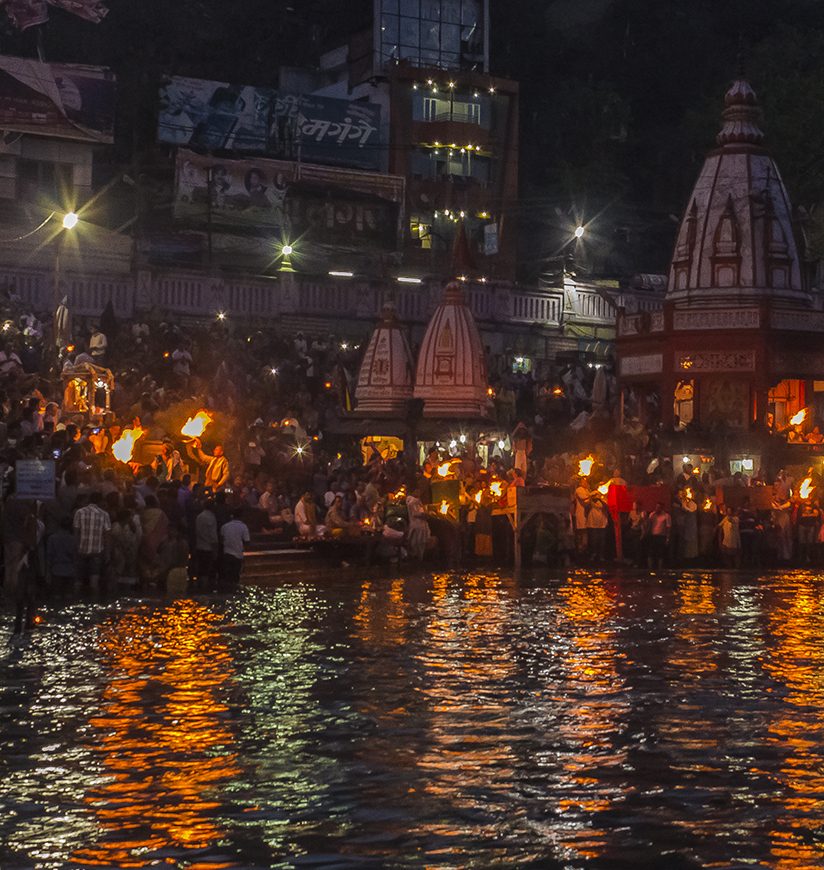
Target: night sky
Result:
[[620, 98]]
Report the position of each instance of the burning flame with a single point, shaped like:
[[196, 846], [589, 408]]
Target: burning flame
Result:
[[443, 470], [195, 426], [444, 508], [478, 496], [806, 488], [496, 488], [707, 506], [603, 488], [798, 419], [688, 494], [123, 448], [585, 466]]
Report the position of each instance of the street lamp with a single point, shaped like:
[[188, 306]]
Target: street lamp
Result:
[[579, 232], [70, 220], [286, 251]]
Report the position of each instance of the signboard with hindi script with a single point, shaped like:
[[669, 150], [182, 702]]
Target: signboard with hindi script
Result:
[[34, 478], [325, 205], [218, 116]]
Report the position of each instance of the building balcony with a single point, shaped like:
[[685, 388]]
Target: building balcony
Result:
[[451, 132]]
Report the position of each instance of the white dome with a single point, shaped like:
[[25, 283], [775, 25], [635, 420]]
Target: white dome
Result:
[[385, 377], [451, 375], [736, 240]]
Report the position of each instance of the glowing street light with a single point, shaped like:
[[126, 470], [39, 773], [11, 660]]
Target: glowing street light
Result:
[[579, 232], [70, 220], [286, 250]]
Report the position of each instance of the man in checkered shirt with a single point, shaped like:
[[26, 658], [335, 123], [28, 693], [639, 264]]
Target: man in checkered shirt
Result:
[[91, 528]]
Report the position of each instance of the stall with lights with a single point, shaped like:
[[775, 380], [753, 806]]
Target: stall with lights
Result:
[[87, 390]]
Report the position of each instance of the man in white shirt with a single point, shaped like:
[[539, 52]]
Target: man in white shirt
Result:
[[233, 536], [206, 546], [98, 345]]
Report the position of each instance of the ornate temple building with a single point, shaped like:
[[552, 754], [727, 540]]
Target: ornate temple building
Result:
[[738, 341], [385, 380], [450, 380], [451, 377]]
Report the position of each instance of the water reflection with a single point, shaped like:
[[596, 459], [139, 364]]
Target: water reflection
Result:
[[449, 720], [795, 659], [162, 735], [592, 758]]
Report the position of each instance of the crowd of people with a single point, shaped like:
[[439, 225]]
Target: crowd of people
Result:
[[181, 511]]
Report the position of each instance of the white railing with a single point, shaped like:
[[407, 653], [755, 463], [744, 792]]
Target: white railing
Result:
[[194, 294]]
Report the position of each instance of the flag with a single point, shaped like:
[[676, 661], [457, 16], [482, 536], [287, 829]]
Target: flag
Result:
[[90, 10], [108, 322], [27, 13]]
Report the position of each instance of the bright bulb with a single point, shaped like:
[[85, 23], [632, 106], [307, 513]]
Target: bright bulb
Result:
[[221, 315], [579, 232], [286, 250], [70, 220]]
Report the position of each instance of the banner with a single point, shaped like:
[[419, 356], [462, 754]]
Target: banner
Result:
[[66, 100], [216, 116], [290, 200], [29, 13]]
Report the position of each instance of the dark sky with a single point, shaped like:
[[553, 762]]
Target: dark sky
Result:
[[620, 98]]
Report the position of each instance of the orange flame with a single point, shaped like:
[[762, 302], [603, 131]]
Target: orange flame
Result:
[[799, 418], [688, 494], [496, 488], [707, 506], [604, 489], [806, 488], [195, 426], [443, 470], [585, 465], [444, 508], [123, 448], [478, 496]]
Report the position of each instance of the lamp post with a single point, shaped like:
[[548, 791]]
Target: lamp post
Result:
[[69, 222]]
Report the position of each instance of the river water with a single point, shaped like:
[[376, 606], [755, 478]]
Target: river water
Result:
[[471, 720]]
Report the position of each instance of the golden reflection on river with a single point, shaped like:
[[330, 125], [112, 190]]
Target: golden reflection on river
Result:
[[593, 720], [595, 713], [161, 735], [795, 658]]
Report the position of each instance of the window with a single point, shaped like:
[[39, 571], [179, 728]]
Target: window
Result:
[[421, 233], [41, 180], [683, 405], [441, 109], [440, 33]]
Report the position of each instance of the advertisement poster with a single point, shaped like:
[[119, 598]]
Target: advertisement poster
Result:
[[67, 100], [289, 200], [216, 116]]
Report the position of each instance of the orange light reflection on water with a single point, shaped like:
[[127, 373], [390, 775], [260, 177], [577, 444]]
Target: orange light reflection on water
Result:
[[595, 712], [796, 623], [161, 736]]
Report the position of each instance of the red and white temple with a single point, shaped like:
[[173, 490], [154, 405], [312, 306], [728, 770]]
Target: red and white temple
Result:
[[385, 380], [451, 377], [739, 340]]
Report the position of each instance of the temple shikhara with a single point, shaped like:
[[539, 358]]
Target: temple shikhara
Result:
[[451, 377], [738, 342]]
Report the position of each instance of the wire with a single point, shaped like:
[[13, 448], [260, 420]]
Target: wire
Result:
[[30, 233]]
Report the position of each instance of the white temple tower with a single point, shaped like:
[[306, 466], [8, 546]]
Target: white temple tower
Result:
[[385, 379], [451, 376]]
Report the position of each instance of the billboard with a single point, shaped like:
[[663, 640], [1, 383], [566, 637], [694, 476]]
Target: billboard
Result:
[[217, 116], [290, 200], [65, 100]]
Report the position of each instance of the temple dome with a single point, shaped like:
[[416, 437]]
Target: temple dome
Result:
[[736, 239], [451, 375], [385, 378]]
